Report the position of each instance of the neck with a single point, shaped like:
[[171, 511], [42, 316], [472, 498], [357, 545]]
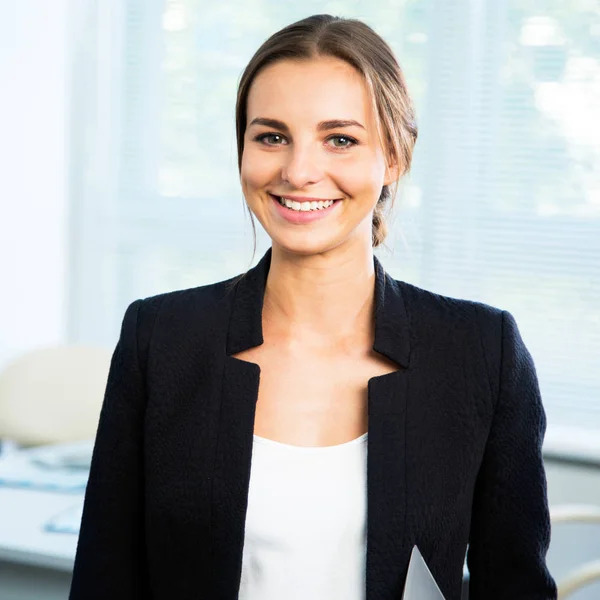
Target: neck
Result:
[[321, 299]]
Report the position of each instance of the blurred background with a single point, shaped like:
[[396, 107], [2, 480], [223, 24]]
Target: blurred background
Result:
[[119, 181]]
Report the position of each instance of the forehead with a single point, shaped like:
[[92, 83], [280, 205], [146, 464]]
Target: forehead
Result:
[[310, 90]]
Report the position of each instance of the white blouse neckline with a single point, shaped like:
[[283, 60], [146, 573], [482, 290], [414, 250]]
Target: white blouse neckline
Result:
[[335, 447]]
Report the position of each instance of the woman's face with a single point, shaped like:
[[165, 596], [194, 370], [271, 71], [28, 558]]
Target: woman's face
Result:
[[312, 167]]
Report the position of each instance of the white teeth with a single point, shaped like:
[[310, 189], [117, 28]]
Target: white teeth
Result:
[[305, 206]]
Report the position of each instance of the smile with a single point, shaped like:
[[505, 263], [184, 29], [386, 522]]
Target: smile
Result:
[[302, 210], [304, 206]]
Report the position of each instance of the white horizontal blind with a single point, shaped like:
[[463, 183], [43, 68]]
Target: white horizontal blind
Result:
[[503, 205]]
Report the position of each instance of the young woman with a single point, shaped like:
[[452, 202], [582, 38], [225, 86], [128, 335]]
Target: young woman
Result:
[[232, 458]]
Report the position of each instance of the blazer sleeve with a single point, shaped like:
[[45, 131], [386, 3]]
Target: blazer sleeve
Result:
[[510, 524], [110, 558]]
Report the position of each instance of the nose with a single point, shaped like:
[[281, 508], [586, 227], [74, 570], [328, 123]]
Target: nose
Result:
[[302, 167]]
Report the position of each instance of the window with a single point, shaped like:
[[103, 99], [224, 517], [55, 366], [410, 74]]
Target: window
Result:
[[502, 206]]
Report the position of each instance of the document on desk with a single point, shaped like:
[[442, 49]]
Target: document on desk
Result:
[[67, 521], [59, 468], [420, 584]]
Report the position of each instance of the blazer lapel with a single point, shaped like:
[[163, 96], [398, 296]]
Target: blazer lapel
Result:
[[388, 545], [388, 548], [239, 393], [232, 474]]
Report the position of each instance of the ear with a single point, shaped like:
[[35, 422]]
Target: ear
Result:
[[392, 173]]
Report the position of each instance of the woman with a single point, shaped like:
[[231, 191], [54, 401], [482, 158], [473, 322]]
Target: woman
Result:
[[231, 456]]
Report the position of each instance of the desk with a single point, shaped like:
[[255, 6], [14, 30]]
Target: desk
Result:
[[34, 564]]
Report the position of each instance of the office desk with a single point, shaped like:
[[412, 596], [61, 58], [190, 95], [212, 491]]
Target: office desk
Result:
[[34, 564]]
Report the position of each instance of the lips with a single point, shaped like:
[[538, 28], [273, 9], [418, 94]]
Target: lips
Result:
[[302, 198], [303, 210], [303, 204]]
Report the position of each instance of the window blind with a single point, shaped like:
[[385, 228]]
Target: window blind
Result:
[[502, 205]]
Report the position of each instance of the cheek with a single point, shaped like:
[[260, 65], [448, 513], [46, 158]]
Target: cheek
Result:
[[361, 177], [258, 169]]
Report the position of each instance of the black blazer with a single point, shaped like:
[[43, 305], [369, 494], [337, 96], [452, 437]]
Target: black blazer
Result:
[[454, 449]]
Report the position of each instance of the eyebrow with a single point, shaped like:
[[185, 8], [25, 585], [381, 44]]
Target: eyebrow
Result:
[[322, 126]]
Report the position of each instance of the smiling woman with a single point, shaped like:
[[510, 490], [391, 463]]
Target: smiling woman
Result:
[[314, 140], [336, 66], [295, 432]]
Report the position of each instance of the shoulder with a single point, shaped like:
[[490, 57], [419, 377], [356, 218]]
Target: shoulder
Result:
[[181, 314], [468, 326], [458, 327], [205, 299], [447, 313]]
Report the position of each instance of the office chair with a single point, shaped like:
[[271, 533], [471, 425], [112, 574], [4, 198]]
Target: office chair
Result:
[[53, 395], [589, 572]]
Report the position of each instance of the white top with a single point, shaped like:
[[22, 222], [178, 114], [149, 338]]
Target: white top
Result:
[[305, 531]]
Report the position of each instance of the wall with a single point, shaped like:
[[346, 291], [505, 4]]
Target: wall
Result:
[[33, 173]]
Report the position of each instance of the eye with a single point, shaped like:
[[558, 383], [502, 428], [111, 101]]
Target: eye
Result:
[[270, 139], [342, 141]]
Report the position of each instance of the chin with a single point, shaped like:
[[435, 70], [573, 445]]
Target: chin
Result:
[[308, 244], [302, 249]]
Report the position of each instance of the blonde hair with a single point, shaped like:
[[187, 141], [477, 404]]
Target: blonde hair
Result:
[[356, 43]]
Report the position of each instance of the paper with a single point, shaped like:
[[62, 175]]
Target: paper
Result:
[[420, 584], [58, 468], [67, 521]]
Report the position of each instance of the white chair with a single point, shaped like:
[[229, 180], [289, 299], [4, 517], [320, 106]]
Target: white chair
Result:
[[53, 395], [590, 571]]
